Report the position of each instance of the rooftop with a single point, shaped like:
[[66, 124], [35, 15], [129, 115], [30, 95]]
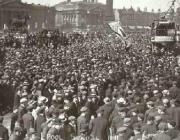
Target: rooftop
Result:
[[80, 5]]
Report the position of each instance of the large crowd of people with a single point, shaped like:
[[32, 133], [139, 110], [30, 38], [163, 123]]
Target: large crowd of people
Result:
[[89, 86]]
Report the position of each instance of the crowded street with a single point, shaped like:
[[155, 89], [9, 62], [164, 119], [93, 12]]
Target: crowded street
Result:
[[91, 85], [89, 70]]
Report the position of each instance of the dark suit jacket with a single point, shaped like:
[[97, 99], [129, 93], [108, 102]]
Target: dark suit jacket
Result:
[[38, 122], [100, 128], [161, 137], [82, 122], [28, 121], [47, 94], [74, 109], [108, 108], [3, 133], [173, 133], [176, 117]]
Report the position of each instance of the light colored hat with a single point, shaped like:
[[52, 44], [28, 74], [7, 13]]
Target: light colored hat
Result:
[[121, 129], [155, 91], [72, 118], [150, 103], [106, 100], [127, 120], [121, 101], [84, 109], [23, 100], [165, 100], [42, 99], [165, 92]]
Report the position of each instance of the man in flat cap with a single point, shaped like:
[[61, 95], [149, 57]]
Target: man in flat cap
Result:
[[82, 120], [162, 135], [28, 119], [107, 107], [73, 123], [83, 134], [172, 131], [118, 120], [149, 129], [75, 106], [151, 112]]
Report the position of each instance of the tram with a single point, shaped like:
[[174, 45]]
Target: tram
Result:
[[164, 32]]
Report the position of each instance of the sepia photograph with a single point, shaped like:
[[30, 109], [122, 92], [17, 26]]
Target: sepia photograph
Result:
[[89, 69]]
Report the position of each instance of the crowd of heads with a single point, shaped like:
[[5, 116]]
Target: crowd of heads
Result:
[[65, 77]]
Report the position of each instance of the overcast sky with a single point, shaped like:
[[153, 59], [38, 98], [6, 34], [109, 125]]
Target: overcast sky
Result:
[[156, 4]]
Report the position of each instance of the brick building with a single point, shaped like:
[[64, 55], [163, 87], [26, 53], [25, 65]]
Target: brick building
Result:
[[35, 17], [132, 17], [177, 16]]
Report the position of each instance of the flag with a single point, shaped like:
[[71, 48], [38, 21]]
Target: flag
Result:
[[117, 28]]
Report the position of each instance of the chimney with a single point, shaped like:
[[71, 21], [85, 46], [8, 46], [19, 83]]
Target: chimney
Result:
[[138, 9], [109, 10], [145, 9], [68, 1], [159, 10]]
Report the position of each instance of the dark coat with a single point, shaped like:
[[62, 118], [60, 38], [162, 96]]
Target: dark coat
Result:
[[45, 128], [28, 121], [161, 137], [170, 111], [68, 132], [82, 122], [38, 122], [74, 109], [4, 133], [174, 92], [100, 128], [176, 116], [47, 94], [16, 101], [14, 118], [107, 108], [173, 133], [53, 133]]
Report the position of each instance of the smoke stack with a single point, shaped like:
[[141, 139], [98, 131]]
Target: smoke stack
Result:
[[159, 10], [145, 9]]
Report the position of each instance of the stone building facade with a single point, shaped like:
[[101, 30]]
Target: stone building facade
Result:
[[34, 17], [86, 14]]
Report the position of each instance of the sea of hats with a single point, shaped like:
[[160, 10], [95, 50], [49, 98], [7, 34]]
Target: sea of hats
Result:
[[92, 87]]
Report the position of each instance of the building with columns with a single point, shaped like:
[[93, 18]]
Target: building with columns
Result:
[[84, 15], [14, 13]]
